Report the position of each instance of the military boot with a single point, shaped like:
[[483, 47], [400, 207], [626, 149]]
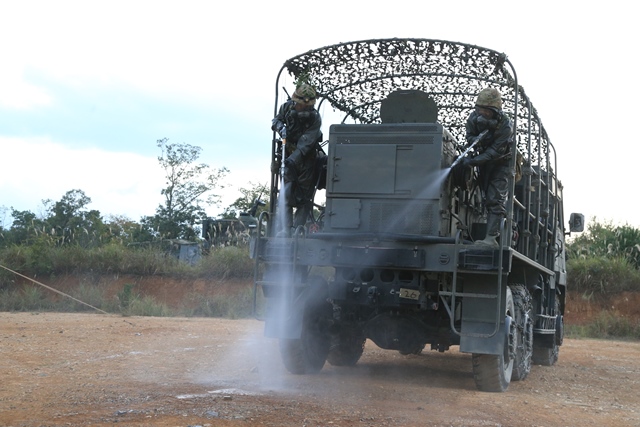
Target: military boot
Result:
[[491, 239]]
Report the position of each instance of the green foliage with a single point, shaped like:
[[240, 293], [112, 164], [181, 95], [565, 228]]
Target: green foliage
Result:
[[189, 189], [28, 298], [187, 183], [606, 325], [146, 306], [604, 259], [609, 241], [247, 201], [46, 261], [233, 306], [66, 222], [602, 275], [89, 293], [36, 259], [126, 295], [226, 262]]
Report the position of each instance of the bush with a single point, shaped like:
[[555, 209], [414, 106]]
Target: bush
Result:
[[602, 275], [29, 298], [227, 262], [43, 260], [146, 306], [234, 306], [606, 325]]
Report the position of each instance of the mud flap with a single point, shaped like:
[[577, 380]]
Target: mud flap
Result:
[[483, 345]]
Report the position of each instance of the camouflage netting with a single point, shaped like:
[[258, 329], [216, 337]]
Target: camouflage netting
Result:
[[355, 77]]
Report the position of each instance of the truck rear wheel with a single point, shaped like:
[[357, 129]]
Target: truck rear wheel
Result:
[[524, 332], [307, 354], [346, 349], [492, 372]]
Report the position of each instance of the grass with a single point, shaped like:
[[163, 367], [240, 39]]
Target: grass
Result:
[[47, 261], [29, 298], [592, 276], [128, 302], [238, 305], [606, 325], [44, 261], [602, 275]]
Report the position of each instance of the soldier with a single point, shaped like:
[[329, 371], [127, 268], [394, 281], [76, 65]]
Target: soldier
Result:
[[492, 157], [298, 124]]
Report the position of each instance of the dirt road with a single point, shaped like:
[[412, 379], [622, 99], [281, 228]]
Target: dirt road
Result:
[[90, 369]]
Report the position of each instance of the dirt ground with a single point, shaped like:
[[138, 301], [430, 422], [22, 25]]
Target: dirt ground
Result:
[[107, 370]]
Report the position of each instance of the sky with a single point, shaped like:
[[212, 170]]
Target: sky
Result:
[[87, 88]]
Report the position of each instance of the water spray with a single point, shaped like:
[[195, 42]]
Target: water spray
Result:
[[475, 141]]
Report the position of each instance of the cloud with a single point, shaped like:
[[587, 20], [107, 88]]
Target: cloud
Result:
[[116, 76], [118, 183]]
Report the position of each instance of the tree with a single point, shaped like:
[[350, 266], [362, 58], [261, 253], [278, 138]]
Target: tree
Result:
[[188, 188], [608, 240], [24, 227], [123, 230], [247, 201], [64, 222], [70, 222]]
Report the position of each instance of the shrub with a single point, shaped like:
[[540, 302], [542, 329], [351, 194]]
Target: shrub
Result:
[[226, 262], [231, 306], [29, 298], [606, 325], [146, 306], [602, 275]]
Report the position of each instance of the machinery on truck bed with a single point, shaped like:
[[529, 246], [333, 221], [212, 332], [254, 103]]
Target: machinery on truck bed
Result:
[[392, 258]]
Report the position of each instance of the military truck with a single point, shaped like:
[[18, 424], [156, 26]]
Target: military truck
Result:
[[392, 257]]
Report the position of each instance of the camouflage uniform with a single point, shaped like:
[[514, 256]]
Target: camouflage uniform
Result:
[[493, 158], [302, 136]]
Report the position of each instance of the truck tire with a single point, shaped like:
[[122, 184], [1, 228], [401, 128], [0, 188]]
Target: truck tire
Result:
[[492, 372], [415, 350], [346, 349], [307, 354], [524, 332]]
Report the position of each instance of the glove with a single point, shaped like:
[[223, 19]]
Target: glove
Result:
[[290, 173], [282, 131], [289, 163], [467, 162]]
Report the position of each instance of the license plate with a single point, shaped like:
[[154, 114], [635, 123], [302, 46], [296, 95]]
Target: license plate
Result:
[[409, 293]]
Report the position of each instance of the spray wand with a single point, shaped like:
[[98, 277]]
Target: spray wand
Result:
[[475, 141], [284, 142]]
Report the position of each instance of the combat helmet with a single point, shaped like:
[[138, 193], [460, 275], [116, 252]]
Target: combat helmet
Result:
[[490, 98], [305, 94]]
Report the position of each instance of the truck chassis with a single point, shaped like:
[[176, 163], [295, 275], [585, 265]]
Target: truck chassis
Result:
[[393, 258]]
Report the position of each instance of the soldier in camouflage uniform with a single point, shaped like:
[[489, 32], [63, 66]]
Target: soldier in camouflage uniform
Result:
[[492, 157], [298, 123]]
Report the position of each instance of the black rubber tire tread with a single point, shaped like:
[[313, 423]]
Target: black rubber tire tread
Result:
[[307, 354], [524, 344], [417, 350], [347, 351], [489, 371], [300, 358]]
